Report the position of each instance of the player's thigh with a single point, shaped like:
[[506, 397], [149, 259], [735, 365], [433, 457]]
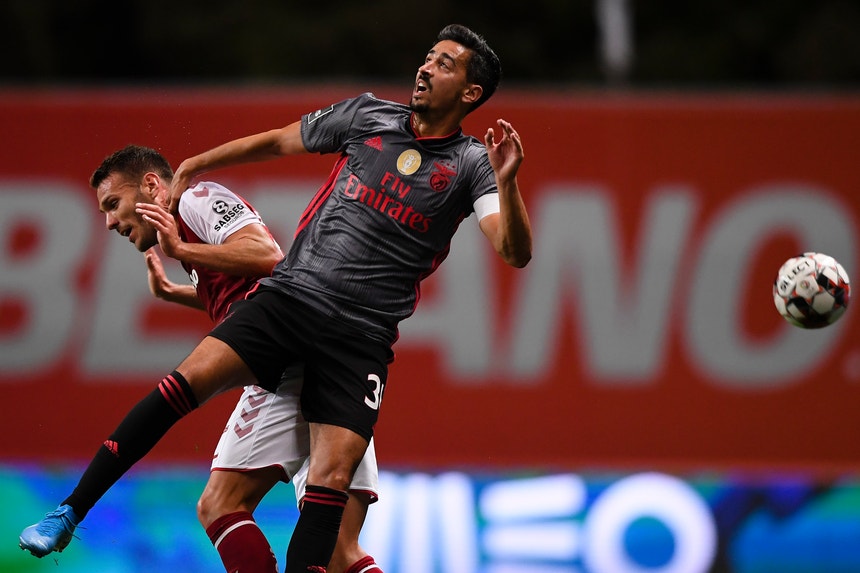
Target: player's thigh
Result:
[[213, 367], [344, 384], [268, 332]]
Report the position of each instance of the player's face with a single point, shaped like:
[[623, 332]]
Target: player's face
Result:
[[441, 80], [117, 196]]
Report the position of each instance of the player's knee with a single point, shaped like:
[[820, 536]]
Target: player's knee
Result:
[[210, 506], [205, 509], [338, 479]]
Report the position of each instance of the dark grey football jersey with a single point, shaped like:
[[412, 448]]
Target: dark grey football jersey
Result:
[[385, 217]]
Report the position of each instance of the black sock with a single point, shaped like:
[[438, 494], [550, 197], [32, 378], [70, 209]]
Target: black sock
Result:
[[315, 536], [141, 429]]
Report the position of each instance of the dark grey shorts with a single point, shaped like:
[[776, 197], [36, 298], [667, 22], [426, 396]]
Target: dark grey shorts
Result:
[[345, 372]]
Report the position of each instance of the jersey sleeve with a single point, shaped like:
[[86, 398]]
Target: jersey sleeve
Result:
[[213, 212], [483, 188], [328, 129]]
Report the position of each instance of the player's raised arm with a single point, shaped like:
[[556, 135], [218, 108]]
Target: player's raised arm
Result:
[[248, 252], [509, 231], [253, 148]]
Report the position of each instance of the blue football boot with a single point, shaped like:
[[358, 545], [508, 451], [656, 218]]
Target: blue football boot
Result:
[[53, 533]]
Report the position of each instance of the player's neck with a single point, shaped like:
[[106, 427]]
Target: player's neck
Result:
[[426, 126]]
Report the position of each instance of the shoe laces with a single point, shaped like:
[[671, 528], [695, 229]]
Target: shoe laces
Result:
[[59, 519]]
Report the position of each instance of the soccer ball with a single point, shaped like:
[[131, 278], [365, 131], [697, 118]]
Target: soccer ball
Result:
[[811, 290]]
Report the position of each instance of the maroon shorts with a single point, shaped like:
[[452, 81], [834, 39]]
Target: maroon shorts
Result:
[[345, 371]]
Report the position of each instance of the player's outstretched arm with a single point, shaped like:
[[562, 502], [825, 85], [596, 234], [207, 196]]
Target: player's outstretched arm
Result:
[[253, 148], [509, 231]]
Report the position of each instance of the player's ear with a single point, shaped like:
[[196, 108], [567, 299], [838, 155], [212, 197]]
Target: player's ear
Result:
[[152, 184], [472, 93]]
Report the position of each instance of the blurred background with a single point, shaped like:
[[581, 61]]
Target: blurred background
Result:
[[770, 44], [629, 402]]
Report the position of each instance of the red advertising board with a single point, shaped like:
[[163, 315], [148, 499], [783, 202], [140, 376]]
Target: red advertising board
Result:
[[642, 333]]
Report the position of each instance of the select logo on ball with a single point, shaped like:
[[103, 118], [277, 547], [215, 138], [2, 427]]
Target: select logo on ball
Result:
[[811, 290]]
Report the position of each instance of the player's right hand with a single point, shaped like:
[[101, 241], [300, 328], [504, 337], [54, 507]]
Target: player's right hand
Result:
[[165, 226]]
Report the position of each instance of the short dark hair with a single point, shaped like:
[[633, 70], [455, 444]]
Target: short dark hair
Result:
[[484, 67], [133, 161]]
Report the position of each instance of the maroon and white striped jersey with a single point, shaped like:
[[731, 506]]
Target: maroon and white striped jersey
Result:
[[384, 218], [209, 213]]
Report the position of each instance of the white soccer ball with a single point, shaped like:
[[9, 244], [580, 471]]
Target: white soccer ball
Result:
[[811, 290]]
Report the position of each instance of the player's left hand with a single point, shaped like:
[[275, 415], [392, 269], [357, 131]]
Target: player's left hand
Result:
[[181, 181], [159, 284], [165, 225], [506, 154]]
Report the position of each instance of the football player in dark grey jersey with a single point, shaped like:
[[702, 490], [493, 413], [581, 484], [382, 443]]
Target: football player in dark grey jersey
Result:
[[405, 178]]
